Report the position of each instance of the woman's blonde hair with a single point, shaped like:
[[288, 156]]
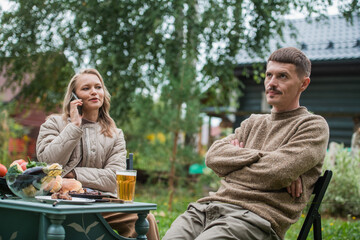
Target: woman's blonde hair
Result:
[[106, 122]]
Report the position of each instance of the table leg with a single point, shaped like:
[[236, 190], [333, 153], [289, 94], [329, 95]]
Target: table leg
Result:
[[56, 231], [142, 226]]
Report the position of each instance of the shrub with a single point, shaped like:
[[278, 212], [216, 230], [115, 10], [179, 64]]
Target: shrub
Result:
[[343, 195], [208, 182], [8, 129]]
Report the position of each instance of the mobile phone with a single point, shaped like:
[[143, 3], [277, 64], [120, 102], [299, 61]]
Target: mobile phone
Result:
[[78, 107]]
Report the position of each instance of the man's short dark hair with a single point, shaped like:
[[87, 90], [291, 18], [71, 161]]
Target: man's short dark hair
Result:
[[294, 56]]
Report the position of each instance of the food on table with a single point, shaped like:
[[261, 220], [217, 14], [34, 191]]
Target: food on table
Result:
[[54, 169], [32, 164], [64, 185], [15, 168], [3, 170], [29, 190], [91, 192], [29, 179], [61, 195], [70, 184], [19, 161], [54, 185], [23, 166], [31, 182]]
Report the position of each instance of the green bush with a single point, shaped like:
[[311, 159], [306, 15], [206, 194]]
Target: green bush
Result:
[[343, 194], [208, 181], [8, 129]]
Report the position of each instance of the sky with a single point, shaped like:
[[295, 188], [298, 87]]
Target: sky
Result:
[[5, 5], [331, 10]]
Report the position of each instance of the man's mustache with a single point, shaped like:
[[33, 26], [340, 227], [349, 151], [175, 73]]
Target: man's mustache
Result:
[[273, 89]]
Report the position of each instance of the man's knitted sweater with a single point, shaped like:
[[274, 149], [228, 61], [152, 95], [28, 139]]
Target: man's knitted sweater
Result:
[[278, 148]]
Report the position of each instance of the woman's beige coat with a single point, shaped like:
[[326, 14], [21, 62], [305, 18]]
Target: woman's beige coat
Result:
[[94, 157]]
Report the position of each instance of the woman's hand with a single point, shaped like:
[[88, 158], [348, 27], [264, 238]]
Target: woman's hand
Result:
[[75, 117], [70, 174]]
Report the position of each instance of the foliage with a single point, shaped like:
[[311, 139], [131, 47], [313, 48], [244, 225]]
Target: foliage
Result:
[[138, 45], [208, 181], [149, 134], [8, 129], [343, 195], [152, 134]]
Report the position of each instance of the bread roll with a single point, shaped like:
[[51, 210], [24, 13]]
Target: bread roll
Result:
[[71, 184], [64, 185], [54, 185]]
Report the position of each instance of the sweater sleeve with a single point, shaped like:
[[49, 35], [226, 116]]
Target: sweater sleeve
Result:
[[279, 168], [104, 179], [224, 158], [55, 145]]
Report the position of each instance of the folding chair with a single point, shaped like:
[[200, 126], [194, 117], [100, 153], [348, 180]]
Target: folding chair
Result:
[[129, 162], [313, 216]]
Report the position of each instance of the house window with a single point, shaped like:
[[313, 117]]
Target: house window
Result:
[[265, 107]]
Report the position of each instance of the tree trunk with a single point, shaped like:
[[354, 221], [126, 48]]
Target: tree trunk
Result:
[[172, 171]]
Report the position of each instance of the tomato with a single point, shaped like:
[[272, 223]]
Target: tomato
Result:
[[23, 165], [19, 161], [3, 170]]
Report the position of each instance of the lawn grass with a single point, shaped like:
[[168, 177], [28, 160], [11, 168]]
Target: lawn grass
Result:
[[332, 228], [160, 196]]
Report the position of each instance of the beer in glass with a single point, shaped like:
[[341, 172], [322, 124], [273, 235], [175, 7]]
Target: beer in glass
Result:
[[125, 181]]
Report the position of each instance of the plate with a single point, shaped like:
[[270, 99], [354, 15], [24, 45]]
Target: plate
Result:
[[90, 193], [89, 196], [74, 200]]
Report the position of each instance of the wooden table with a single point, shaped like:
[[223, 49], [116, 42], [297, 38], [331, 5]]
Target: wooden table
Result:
[[22, 219]]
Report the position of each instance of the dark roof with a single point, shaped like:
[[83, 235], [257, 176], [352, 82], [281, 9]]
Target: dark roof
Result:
[[325, 40]]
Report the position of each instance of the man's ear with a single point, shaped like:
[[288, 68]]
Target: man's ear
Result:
[[305, 83]]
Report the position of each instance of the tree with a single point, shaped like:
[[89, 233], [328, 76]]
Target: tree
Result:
[[172, 49]]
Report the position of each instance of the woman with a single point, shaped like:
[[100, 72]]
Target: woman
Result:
[[88, 145]]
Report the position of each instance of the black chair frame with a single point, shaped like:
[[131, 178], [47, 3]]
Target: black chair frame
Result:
[[313, 216]]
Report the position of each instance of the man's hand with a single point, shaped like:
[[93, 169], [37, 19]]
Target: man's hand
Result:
[[236, 143], [295, 189]]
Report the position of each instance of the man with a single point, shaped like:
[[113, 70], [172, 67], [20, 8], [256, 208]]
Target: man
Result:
[[268, 166]]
